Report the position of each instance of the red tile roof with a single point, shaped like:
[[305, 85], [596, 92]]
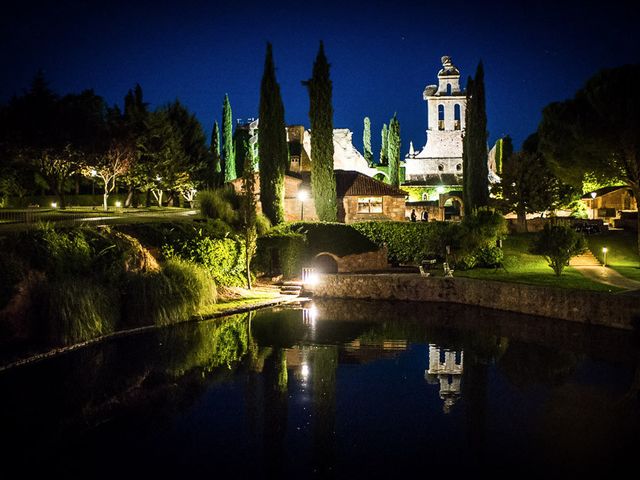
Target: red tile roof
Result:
[[351, 183]]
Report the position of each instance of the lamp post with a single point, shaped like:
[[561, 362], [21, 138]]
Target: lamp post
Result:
[[593, 205], [604, 253], [302, 196]]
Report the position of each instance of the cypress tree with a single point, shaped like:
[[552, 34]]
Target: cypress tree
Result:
[[248, 206], [384, 150], [323, 180], [228, 152], [272, 143], [474, 153], [393, 147], [366, 141], [215, 155]]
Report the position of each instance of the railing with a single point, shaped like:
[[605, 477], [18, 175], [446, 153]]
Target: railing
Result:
[[309, 275]]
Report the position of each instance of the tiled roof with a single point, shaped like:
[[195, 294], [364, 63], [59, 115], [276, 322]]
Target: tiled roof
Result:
[[603, 191], [351, 183]]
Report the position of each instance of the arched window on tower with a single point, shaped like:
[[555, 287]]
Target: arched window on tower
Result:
[[456, 116], [448, 89], [440, 117]]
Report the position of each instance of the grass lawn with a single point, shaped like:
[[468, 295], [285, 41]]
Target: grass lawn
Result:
[[523, 267], [239, 297], [622, 253]]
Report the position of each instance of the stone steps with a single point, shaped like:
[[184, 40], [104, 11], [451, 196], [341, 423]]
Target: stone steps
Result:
[[587, 259], [291, 288]]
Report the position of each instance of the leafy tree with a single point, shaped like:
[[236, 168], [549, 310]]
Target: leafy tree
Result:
[[366, 141], [596, 132], [116, 161], [133, 125], [50, 135], [216, 160], [272, 143], [228, 152], [393, 145], [193, 152], [557, 244], [323, 180], [248, 208], [474, 146], [384, 151]]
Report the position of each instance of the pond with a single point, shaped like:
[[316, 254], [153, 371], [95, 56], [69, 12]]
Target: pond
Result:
[[332, 389]]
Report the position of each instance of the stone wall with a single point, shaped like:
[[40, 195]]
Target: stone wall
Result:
[[364, 261], [618, 311]]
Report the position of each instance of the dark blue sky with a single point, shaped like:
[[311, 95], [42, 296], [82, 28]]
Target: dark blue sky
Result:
[[382, 54]]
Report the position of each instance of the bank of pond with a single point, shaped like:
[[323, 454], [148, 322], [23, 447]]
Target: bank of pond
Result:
[[332, 388]]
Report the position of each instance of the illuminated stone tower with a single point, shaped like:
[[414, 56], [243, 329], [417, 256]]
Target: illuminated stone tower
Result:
[[446, 106]]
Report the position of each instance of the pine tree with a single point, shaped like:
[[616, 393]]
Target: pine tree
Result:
[[366, 141], [384, 150], [216, 166], [323, 180], [272, 143], [228, 152], [393, 147], [474, 153]]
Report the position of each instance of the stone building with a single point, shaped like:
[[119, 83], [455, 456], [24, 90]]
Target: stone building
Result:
[[359, 197], [608, 203]]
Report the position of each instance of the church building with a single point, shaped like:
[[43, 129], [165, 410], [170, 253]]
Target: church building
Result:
[[441, 157]]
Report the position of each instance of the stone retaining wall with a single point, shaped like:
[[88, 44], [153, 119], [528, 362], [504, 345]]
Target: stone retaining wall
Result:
[[611, 310]]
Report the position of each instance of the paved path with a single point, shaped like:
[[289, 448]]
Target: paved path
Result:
[[608, 276]]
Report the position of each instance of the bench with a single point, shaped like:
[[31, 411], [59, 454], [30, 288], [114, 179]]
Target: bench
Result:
[[423, 272]]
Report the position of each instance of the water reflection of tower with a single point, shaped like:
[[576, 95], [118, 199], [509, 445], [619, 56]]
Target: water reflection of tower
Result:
[[445, 367]]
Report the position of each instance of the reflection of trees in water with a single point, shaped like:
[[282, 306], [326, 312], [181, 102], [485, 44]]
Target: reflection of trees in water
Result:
[[324, 363], [525, 365], [205, 345], [274, 414]]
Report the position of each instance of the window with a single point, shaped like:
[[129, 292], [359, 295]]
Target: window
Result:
[[425, 197], [448, 89], [370, 205], [459, 167], [440, 117], [456, 116], [441, 167]]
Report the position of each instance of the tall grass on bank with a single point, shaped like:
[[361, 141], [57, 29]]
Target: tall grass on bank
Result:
[[169, 296], [73, 310]]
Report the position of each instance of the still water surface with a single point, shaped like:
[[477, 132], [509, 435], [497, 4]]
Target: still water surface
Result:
[[334, 389]]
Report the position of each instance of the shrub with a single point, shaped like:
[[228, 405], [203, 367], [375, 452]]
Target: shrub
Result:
[[281, 253], [466, 262], [557, 244], [195, 283], [337, 238], [263, 224], [169, 296], [411, 242], [74, 309], [219, 204], [489, 256], [223, 257]]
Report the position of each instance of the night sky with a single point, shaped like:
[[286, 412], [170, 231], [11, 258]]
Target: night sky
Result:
[[382, 54]]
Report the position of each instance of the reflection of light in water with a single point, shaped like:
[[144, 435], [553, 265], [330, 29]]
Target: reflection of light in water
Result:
[[447, 372], [304, 371], [309, 317]]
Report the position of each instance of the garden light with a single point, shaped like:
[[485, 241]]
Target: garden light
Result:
[[604, 252]]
